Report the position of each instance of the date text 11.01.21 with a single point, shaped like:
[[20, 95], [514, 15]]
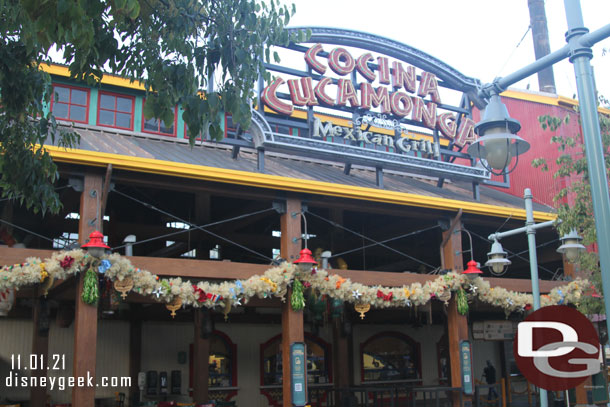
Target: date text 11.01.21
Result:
[[38, 362]]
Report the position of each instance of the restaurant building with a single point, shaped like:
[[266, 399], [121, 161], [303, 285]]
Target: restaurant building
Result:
[[353, 153]]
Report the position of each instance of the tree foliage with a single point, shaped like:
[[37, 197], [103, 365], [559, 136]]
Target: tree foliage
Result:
[[175, 46], [577, 212]]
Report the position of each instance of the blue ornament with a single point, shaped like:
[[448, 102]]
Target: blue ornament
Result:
[[105, 265]]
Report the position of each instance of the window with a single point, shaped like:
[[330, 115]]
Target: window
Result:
[[70, 103], [318, 361], [156, 126], [390, 356], [115, 110]]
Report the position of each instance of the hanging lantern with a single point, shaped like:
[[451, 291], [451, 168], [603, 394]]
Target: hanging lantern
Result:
[[472, 271], [497, 262], [96, 246], [571, 245], [305, 260]]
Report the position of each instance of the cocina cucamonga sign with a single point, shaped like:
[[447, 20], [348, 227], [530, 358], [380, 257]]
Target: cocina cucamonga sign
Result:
[[368, 100]]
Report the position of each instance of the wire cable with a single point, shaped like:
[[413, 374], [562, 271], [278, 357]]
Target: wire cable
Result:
[[193, 226], [372, 240], [27, 231]]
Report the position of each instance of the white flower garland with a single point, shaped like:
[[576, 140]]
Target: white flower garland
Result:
[[274, 283]]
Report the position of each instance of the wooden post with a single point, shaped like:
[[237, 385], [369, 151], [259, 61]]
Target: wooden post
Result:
[[85, 320], [201, 359], [292, 321], [135, 353], [457, 324], [341, 370], [40, 346]]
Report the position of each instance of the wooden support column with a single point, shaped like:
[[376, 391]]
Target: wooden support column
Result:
[[292, 321], [135, 352], [457, 324], [85, 320], [40, 346], [201, 359], [342, 374]]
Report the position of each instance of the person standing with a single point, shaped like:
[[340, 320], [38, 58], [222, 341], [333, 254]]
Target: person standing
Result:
[[490, 377]]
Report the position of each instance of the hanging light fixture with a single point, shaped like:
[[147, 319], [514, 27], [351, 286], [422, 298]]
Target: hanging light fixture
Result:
[[96, 246], [571, 245], [305, 260], [497, 142], [472, 270], [497, 259], [472, 267]]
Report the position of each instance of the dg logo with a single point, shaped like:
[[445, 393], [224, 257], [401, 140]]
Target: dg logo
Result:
[[557, 348]]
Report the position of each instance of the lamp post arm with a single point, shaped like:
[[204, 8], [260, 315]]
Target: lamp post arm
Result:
[[524, 229], [501, 84]]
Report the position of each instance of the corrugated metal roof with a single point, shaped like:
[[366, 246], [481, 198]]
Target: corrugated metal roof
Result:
[[218, 155]]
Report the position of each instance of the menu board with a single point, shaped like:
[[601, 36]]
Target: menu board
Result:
[[494, 330]]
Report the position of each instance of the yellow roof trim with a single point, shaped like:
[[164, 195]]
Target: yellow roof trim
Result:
[[553, 100], [107, 79], [252, 179]]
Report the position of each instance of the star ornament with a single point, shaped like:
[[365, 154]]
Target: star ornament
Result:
[[237, 302], [356, 294], [408, 302], [158, 291], [473, 288]]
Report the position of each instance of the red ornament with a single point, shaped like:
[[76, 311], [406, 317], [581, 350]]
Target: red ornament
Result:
[[66, 262], [528, 307], [200, 294]]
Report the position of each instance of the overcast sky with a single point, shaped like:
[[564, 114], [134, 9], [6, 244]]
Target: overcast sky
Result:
[[477, 37]]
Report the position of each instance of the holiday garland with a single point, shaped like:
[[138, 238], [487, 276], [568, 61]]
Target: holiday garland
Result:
[[274, 283]]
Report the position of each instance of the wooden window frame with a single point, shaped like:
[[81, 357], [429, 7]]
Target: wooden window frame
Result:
[[70, 87], [159, 132], [121, 95]]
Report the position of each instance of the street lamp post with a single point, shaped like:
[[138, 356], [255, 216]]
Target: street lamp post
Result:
[[530, 228], [578, 50]]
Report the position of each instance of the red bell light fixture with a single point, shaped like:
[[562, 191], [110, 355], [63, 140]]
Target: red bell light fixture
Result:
[[305, 260], [96, 246], [472, 271]]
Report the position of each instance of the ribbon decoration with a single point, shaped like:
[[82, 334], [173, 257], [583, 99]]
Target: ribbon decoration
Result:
[[385, 297], [213, 297], [200, 294], [67, 262]]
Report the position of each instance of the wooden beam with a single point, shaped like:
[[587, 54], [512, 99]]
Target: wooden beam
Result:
[[105, 192], [210, 269], [201, 359], [85, 321], [292, 321], [40, 347], [457, 324]]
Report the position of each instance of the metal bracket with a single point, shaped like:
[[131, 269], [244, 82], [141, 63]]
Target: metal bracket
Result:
[[279, 206], [76, 184]]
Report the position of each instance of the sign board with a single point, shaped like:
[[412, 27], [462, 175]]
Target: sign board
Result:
[[494, 330], [367, 100], [298, 373], [466, 367]]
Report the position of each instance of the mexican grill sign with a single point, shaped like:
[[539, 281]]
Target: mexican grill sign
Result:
[[366, 104]]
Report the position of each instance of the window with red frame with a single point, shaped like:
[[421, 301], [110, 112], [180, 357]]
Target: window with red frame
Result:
[[156, 126], [70, 103], [115, 110]]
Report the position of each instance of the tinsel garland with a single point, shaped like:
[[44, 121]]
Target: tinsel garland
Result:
[[297, 299], [462, 301], [275, 283], [91, 291]]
